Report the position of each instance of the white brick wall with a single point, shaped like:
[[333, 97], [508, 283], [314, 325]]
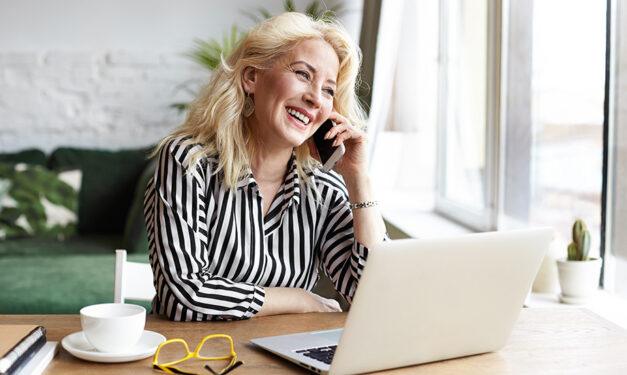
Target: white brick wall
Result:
[[103, 74], [106, 99]]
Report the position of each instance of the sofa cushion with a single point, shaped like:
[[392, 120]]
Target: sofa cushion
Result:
[[35, 201], [30, 156], [87, 245], [51, 284], [109, 179], [135, 233]]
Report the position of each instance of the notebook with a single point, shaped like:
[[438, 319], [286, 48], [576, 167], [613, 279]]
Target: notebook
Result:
[[19, 343], [40, 360]]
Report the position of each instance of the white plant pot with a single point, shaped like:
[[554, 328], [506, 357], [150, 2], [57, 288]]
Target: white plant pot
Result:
[[546, 280], [579, 280]]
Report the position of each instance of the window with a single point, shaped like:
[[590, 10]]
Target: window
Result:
[[517, 108], [468, 108], [568, 78], [403, 166]]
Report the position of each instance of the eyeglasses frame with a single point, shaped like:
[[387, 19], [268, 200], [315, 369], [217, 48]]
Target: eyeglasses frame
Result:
[[169, 366]]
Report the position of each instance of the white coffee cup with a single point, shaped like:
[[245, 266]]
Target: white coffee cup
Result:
[[113, 327]]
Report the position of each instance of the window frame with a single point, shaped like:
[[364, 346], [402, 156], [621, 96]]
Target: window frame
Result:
[[614, 204], [485, 219]]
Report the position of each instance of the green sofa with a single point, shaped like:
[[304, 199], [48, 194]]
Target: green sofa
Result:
[[45, 276]]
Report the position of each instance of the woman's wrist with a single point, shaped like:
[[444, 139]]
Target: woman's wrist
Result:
[[358, 187], [358, 178], [283, 300]]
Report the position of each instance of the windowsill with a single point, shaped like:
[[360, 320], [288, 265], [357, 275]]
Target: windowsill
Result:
[[415, 218], [604, 304]]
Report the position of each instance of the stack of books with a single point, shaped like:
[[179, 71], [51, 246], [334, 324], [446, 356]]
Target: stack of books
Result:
[[25, 350]]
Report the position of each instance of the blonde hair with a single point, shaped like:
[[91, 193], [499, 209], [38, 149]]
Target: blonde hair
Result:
[[215, 120]]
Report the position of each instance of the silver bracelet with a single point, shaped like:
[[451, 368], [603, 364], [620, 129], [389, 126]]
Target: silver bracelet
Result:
[[365, 204]]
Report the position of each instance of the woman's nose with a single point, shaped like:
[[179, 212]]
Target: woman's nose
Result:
[[312, 98]]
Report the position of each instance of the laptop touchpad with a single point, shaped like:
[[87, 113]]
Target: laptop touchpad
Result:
[[332, 335]]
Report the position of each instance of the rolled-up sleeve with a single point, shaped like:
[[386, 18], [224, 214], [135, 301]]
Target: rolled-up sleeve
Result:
[[179, 251]]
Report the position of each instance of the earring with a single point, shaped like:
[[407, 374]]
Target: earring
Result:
[[249, 106]]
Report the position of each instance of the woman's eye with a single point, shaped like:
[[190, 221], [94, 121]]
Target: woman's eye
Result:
[[303, 74], [330, 92]]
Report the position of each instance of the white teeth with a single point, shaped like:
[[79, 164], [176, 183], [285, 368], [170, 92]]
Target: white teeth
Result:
[[304, 119]]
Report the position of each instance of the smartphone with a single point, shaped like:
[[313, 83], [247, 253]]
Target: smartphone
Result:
[[329, 154]]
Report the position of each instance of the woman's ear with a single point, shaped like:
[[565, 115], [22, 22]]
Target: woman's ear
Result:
[[249, 79]]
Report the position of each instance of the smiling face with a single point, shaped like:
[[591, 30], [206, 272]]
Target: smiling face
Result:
[[295, 96]]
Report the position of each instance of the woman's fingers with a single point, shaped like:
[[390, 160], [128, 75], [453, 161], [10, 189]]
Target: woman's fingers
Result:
[[342, 130], [337, 129], [331, 305], [346, 133], [324, 304], [339, 123], [342, 137], [335, 306]]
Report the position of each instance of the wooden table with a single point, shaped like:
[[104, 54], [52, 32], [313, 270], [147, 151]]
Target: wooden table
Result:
[[568, 341]]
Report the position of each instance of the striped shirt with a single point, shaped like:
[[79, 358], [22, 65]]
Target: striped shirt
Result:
[[212, 251]]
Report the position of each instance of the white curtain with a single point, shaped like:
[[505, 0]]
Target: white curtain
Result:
[[384, 68]]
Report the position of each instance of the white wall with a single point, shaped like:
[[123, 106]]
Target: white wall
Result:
[[103, 73]]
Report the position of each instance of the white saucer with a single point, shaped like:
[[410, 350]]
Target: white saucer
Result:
[[77, 345]]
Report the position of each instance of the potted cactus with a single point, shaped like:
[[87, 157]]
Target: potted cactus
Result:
[[578, 273]]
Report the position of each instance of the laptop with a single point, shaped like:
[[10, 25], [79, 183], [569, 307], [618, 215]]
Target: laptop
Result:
[[425, 300]]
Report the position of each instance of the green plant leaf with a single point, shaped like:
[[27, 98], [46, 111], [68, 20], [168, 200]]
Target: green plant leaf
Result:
[[578, 228], [337, 8], [252, 16], [265, 13], [180, 107], [327, 16], [313, 10], [289, 6], [585, 245], [206, 53], [572, 251], [236, 36]]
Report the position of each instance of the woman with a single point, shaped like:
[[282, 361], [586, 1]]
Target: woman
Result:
[[239, 214]]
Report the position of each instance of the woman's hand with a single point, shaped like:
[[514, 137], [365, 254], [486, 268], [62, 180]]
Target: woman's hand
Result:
[[315, 303], [354, 161], [295, 301]]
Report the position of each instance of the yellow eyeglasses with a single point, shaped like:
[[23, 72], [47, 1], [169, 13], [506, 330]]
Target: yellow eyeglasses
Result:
[[211, 348]]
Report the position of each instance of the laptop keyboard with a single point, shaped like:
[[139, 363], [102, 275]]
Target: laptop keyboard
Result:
[[322, 354]]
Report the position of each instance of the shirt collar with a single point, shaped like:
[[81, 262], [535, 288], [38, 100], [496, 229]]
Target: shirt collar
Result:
[[247, 180], [291, 184]]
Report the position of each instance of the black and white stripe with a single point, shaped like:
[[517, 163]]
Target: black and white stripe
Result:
[[212, 251]]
